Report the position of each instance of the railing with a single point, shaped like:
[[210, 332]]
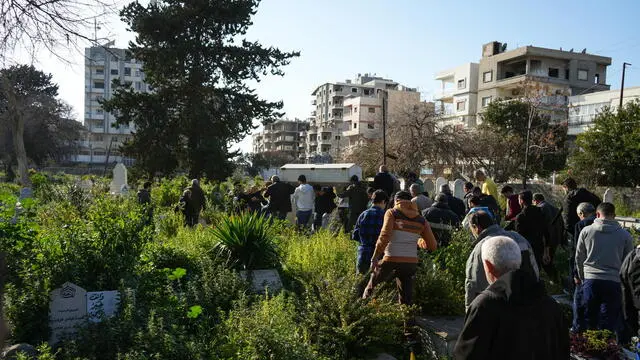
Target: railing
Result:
[[628, 222]]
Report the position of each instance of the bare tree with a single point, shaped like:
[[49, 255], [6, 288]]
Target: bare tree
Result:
[[50, 24]]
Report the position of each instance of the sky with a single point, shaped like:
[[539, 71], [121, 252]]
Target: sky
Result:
[[405, 40]]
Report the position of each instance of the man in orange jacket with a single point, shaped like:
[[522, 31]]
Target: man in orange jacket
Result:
[[403, 230]]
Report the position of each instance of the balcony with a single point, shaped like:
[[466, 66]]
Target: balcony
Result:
[[446, 95], [313, 113], [313, 102]]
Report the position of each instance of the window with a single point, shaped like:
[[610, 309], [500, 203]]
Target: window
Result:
[[138, 85], [137, 73], [97, 137], [355, 109], [98, 153], [460, 105], [114, 71], [99, 98], [583, 74], [354, 90], [98, 84], [99, 112], [368, 91], [99, 71], [355, 125], [462, 83], [487, 76], [597, 79], [554, 72], [114, 139], [337, 137], [372, 110], [370, 126], [486, 101], [127, 71]]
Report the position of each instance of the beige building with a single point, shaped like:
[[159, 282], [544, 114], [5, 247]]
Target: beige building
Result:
[[347, 113], [556, 73], [552, 74], [280, 136]]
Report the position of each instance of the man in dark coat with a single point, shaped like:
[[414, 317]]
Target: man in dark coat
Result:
[[324, 205], [574, 197], [384, 181], [630, 279], [198, 201], [441, 219], [530, 223], [358, 200], [468, 194], [279, 195], [488, 201], [555, 232], [456, 205], [513, 318]]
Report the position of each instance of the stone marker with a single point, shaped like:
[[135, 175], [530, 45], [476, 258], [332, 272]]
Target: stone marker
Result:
[[102, 303], [67, 311], [26, 193], [86, 184], [608, 196], [264, 279], [458, 188], [429, 186], [439, 182], [119, 179]]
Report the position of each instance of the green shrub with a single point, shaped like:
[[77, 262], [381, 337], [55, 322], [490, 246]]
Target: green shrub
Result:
[[246, 241]]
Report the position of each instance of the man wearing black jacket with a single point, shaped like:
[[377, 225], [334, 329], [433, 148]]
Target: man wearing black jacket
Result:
[[574, 197], [630, 280], [530, 223], [441, 219], [384, 181], [513, 318], [279, 195]]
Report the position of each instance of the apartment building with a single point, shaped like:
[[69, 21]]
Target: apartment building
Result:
[[458, 96], [584, 108], [501, 74], [102, 141], [282, 136], [347, 113]]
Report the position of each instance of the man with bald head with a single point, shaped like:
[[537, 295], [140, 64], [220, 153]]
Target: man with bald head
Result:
[[384, 181]]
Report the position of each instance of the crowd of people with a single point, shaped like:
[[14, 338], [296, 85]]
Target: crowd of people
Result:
[[509, 314]]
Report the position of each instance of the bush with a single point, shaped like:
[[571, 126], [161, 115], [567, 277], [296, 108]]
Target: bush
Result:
[[247, 241]]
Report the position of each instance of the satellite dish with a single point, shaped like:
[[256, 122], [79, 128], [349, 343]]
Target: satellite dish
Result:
[[584, 51], [504, 47]]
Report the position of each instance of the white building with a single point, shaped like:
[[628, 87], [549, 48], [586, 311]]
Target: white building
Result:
[[584, 108], [102, 66], [338, 121], [457, 99]]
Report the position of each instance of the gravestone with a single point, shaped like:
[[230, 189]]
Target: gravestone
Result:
[[608, 196], [261, 280], [26, 193], [67, 311], [102, 303], [429, 186], [119, 179], [439, 182], [458, 188], [86, 184]]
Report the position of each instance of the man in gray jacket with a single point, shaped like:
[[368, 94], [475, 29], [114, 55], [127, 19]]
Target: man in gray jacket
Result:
[[482, 227], [600, 252]]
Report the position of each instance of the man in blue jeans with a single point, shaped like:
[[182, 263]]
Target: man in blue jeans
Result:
[[367, 230], [587, 215], [600, 251], [304, 197]]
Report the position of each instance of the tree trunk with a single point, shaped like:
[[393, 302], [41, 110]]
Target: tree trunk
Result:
[[16, 119]]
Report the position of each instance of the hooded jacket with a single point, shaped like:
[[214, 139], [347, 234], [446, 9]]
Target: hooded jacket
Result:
[[384, 181], [476, 279], [571, 202], [514, 318], [601, 249], [403, 227], [305, 197]]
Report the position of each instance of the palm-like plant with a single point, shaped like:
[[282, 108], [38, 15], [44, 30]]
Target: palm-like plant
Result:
[[247, 241]]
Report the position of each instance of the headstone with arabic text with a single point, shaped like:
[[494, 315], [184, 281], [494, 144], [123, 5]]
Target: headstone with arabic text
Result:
[[67, 311], [102, 304], [264, 280]]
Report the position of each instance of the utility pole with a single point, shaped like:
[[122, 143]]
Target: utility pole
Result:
[[384, 127], [624, 65]]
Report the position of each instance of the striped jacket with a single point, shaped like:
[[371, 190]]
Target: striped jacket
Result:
[[403, 230]]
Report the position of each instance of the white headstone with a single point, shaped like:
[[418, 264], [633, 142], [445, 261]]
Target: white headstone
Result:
[[458, 188], [429, 186], [102, 303], [119, 179], [261, 280], [26, 193], [608, 196], [439, 182], [67, 311]]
